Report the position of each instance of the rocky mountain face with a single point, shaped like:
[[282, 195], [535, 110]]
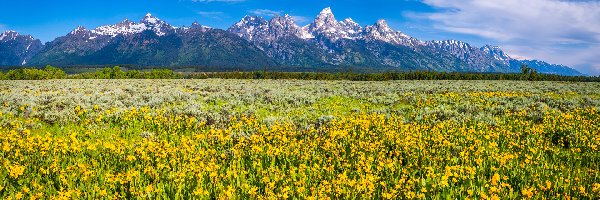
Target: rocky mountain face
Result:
[[544, 67], [17, 49], [377, 47], [281, 39], [255, 43], [153, 42], [328, 43], [475, 59]]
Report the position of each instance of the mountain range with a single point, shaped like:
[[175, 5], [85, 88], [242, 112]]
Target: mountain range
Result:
[[255, 43]]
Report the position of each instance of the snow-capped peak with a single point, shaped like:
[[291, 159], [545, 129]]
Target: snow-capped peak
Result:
[[351, 29], [454, 47], [249, 26], [349, 21], [251, 21], [285, 20], [149, 19], [325, 18], [11, 35], [9, 32], [496, 52], [24, 46], [326, 11], [194, 26], [158, 26], [124, 28], [325, 25], [383, 26], [285, 25], [125, 22], [251, 18], [79, 29], [383, 32], [256, 28], [127, 27]]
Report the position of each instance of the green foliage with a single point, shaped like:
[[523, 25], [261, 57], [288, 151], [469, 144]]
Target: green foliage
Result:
[[34, 74], [106, 73], [55, 73], [117, 73], [525, 70], [531, 75]]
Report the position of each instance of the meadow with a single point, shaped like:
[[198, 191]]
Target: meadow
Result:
[[298, 139]]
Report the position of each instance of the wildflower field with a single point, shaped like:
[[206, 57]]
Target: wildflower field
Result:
[[292, 139]]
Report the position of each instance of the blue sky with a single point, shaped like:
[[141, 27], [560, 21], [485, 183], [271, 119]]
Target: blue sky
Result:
[[562, 32]]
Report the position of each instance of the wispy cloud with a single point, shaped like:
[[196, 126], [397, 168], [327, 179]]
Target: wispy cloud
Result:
[[300, 19], [265, 12], [566, 32], [212, 14], [271, 13]]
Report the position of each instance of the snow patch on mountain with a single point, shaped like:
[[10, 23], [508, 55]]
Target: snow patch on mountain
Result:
[[326, 26], [158, 26], [382, 31], [8, 35], [496, 52], [253, 28], [78, 30], [150, 19], [324, 41], [22, 47], [351, 28], [249, 26], [127, 27]]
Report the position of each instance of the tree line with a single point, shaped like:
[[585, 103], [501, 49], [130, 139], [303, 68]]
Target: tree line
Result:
[[117, 73], [34, 74], [49, 72]]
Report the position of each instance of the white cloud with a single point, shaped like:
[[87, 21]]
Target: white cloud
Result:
[[271, 13], [564, 32], [300, 19], [265, 12], [212, 14]]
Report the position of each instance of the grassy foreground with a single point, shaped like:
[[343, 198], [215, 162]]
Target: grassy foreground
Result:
[[279, 139]]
